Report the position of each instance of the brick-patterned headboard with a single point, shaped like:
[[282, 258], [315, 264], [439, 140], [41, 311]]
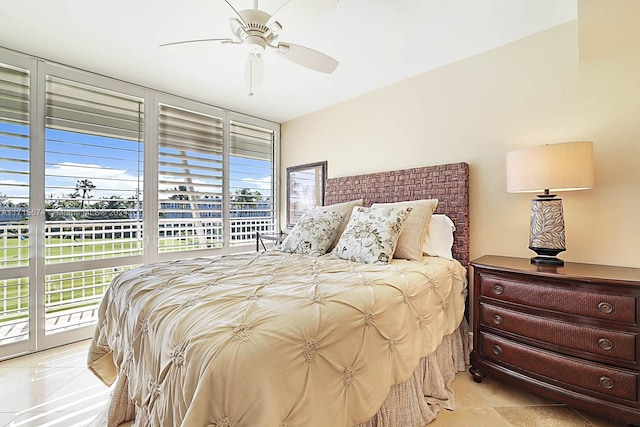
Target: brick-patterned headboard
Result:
[[447, 183]]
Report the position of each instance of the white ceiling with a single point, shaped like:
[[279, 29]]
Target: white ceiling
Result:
[[377, 42]]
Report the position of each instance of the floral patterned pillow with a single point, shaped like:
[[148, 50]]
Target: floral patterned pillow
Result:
[[372, 234], [313, 233]]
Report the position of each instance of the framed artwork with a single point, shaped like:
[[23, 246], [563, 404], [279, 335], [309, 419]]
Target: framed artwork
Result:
[[305, 189]]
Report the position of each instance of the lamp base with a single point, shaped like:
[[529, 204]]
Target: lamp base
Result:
[[546, 230], [547, 260]]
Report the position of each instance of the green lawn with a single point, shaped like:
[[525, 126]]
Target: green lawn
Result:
[[78, 289], [73, 287], [68, 250]]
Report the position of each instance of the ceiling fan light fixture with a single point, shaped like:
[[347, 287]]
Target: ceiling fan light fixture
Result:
[[255, 44]]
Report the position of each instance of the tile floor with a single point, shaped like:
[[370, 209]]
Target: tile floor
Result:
[[54, 388], [50, 388], [493, 403]]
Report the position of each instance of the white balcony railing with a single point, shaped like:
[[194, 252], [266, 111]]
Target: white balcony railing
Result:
[[71, 297]]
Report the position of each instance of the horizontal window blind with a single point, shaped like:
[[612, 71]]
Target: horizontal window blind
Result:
[[14, 202], [77, 107], [14, 166], [251, 181], [190, 180], [93, 172]]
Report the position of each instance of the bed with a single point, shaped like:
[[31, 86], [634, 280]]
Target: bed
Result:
[[286, 339]]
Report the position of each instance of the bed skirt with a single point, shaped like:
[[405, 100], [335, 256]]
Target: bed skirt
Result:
[[413, 403], [416, 402]]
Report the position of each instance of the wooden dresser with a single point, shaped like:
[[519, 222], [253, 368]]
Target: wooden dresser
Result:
[[570, 334]]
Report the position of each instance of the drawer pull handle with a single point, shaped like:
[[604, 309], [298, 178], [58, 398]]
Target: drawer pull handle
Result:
[[497, 319], [606, 382], [605, 307], [498, 289], [497, 350], [605, 344]]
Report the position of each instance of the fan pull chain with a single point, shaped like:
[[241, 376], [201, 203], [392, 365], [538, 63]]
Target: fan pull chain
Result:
[[251, 74]]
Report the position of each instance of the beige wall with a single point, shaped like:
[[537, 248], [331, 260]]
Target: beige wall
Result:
[[530, 92]]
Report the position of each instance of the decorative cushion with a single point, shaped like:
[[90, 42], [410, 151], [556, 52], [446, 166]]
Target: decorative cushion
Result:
[[414, 229], [347, 207], [439, 238], [371, 234], [314, 232]]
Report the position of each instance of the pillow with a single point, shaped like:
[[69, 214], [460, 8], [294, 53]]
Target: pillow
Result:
[[347, 207], [371, 234], [412, 235], [314, 232], [439, 239]]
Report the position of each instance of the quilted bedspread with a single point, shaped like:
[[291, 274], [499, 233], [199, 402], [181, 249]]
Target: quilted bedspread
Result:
[[271, 338]]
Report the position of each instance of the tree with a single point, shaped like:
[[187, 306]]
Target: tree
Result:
[[244, 198], [182, 189], [4, 202], [85, 186]]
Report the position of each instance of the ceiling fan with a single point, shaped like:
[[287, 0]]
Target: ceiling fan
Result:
[[258, 30]]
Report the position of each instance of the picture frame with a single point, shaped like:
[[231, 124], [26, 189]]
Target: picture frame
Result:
[[305, 189]]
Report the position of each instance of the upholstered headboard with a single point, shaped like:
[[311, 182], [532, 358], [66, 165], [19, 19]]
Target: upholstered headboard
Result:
[[448, 183]]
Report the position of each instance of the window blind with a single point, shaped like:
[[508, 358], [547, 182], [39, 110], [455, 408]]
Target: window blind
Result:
[[14, 136], [93, 172], [251, 181], [190, 174], [14, 202], [14, 166]]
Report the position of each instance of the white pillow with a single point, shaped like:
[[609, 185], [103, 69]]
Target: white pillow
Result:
[[314, 232], [371, 234], [439, 238]]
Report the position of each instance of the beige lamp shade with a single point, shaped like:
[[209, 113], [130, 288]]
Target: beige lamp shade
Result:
[[554, 167]]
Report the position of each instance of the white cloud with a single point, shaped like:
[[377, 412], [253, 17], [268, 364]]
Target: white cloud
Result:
[[16, 191], [263, 183], [108, 181]]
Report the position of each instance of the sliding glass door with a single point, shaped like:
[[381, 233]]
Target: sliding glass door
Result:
[[17, 306], [93, 207]]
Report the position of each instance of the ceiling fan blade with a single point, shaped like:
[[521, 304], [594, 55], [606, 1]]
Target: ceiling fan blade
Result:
[[226, 40], [294, 13], [306, 57], [254, 71], [236, 12]]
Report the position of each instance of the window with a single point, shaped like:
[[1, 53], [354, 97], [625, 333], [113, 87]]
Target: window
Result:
[[251, 171], [202, 190], [93, 187], [14, 202], [93, 172], [190, 180]]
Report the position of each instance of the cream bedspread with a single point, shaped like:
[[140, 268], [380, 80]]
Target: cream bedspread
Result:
[[271, 339]]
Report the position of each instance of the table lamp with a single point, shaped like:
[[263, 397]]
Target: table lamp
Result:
[[553, 167]]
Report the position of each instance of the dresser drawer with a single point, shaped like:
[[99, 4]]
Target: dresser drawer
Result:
[[599, 341], [580, 375], [581, 302]]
